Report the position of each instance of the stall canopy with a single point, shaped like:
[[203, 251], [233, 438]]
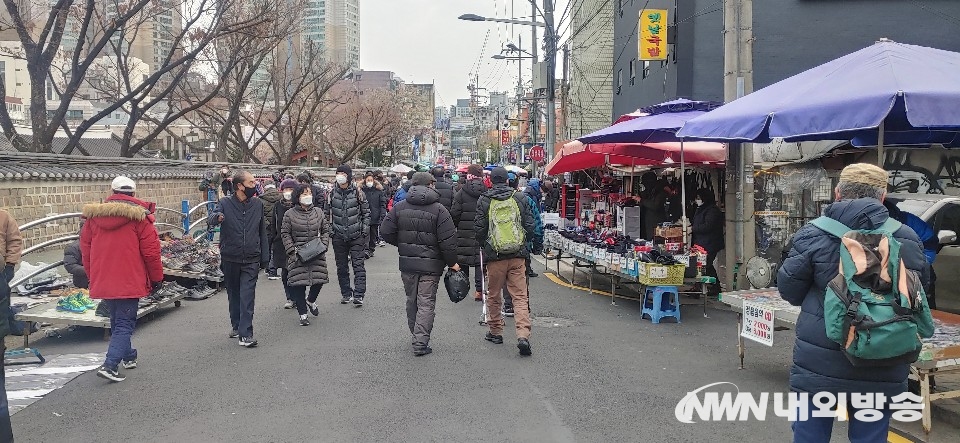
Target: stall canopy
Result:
[[889, 92], [653, 124], [576, 156], [401, 168]]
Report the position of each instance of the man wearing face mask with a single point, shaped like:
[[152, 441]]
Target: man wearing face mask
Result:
[[350, 216], [377, 198], [244, 250]]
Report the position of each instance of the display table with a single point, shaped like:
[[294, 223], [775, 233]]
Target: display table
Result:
[[941, 353], [193, 275], [48, 313]]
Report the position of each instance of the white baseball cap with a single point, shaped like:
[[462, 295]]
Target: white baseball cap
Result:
[[123, 184]]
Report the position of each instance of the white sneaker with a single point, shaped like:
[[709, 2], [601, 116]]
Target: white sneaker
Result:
[[288, 304]]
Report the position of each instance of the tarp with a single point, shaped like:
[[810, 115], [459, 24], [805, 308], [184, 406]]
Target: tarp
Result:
[[912, 90]]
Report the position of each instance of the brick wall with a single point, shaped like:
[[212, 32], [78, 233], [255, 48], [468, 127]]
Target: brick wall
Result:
[[29, 200]]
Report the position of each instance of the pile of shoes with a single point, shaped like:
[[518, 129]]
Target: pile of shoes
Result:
[[200, 291], [191, 256], [77, 302]]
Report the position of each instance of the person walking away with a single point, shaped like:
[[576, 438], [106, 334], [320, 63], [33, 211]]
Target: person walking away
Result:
[[444, 187], [302, 224], [707, 229], [377, 199], [11, 243], [819, 363], [534, 243], [426, 238], [244, 250], [464, 213], [120, 234], [402, 191], [929, 239], [503, 225], [350, 219], [276, 243], [552, 199], [270, 198], [533, 192]]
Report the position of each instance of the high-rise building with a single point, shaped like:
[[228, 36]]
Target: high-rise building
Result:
[[591, 67], [343, 31], [424, 101]]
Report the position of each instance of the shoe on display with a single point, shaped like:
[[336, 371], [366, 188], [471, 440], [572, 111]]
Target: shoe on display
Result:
[[304, 321], [357, 301], [345, 300], [420, 352], [233, 333], [288, 304], [314, 309], [248, 342], [102, 310], [82, 297], [128, 364], [71, 304], [524, 346], [495, 339], [113, 375]]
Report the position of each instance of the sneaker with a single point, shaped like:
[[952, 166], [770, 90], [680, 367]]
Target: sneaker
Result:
[[233, 333], [314, 309], [508, 312], [86, 300], [420, 352], [288, 304], [381, 243], [524, 346], [113, 375], [530, 273], [304, 321], [71, 304], [273, 277], [357, 302], [128, 364], [102, 310], [495, 339], [345, 300], [247, 342]]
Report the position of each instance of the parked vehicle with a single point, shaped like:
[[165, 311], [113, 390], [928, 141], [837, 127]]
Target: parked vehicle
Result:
[[942, 212]]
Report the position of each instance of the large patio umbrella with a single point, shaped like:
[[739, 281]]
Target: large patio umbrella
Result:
[[575, 156], [887, 93], [653, 124], [667, 153]]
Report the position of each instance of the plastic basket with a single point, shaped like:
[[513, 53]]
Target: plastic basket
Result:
[[652, 274]]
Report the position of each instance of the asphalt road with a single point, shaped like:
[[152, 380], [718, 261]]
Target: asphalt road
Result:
[[602, 375]]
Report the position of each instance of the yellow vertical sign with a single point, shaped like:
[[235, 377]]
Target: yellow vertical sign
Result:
[[653, 34]]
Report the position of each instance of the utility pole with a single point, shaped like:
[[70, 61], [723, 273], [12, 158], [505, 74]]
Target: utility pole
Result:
[[737, 82], [551, 79]]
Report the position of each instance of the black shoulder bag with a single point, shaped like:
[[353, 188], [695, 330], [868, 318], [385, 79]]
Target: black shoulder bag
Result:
[[312, 249]]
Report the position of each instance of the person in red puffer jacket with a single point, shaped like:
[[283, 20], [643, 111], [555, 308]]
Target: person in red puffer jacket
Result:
[[121, 254]]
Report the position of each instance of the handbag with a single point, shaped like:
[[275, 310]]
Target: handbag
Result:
[[312, 249]]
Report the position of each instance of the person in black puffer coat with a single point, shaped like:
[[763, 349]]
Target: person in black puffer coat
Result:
[[273, 231], [73, 263], [377, 199], [302, 224], [819, 364], [707, 227], [350, 219], [426, 238], [552, 199], [464, 214], [444, 188]]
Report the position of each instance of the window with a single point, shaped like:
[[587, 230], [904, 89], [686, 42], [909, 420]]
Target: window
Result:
[[619, 80], [633, 71], [646, 68], [74, 114]]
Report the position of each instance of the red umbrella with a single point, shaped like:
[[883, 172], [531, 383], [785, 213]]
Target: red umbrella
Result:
[[665, 153], [462, 167], [575, 156]]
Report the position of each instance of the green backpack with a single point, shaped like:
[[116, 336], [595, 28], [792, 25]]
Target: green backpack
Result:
[[875, 308], [506, 228]]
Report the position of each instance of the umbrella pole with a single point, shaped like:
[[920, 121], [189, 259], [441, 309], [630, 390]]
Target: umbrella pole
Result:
[[880, 151], [683, 190]]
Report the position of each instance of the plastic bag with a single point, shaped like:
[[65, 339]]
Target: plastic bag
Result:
[[457, 284]]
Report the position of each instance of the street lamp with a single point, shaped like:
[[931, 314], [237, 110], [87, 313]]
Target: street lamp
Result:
[[480, 18]]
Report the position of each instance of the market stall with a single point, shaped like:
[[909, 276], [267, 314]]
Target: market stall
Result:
[[760, 312]]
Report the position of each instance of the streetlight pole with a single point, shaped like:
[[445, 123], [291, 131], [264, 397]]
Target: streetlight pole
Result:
[[551, 81]]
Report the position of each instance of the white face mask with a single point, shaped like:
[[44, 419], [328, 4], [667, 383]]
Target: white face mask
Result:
[[698, 202], [287, 195], [306, 200], [341, 179], [369, 184]]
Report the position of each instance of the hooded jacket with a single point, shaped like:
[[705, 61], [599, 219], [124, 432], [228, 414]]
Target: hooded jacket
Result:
[[300, 226], [464, 215], [270, 198], [377, 199], [501, 191], [423, 232], [445, 189], [73, 263], [707, 227], [533, 191], [819, 363], [350, 213], [120, 248]]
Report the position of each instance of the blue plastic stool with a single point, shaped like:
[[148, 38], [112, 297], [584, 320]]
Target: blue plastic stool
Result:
[[660, 302]]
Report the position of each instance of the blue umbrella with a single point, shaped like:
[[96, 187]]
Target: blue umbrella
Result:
[[898, 93], [658, 126]]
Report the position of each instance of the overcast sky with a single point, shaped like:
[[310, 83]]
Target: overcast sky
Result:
[[423, 41]]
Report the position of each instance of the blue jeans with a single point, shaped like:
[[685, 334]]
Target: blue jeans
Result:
[[123, 320], [6, 430], [818, 429]]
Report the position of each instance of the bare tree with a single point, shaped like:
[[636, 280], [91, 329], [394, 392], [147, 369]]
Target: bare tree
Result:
[[365, 121]]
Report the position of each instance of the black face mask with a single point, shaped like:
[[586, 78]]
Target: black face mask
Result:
[[249, 192]]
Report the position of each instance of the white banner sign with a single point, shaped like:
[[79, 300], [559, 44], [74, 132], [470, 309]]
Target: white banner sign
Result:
[[757, 323]]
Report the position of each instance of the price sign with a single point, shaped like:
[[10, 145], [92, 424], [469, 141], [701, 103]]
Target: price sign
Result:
[[757, 323], [657, 272]]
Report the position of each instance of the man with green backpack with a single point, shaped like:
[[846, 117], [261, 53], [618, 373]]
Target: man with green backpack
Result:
[[504, 223], [859, 278]]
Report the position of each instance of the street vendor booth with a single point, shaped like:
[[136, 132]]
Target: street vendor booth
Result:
[[888, 93]]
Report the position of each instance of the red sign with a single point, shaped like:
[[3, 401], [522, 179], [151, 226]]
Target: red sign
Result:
[[504, 137], [537, 153]]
